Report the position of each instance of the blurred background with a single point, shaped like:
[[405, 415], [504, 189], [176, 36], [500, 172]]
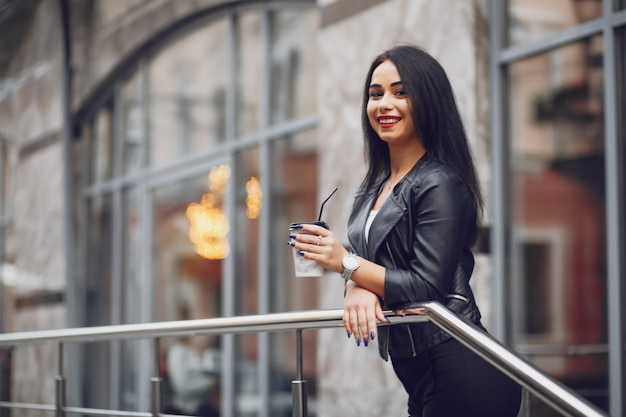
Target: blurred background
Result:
[[154, 152]]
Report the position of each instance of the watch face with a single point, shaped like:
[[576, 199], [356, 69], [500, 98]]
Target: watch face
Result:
[[350, 262]]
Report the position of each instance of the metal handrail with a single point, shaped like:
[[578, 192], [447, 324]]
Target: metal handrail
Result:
[[536, 381]]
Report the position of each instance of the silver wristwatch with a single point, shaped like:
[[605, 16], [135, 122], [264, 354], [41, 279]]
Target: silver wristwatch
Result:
[[350, 264]]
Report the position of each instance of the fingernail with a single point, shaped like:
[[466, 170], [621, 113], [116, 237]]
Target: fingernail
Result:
[[292, 236], [291, 243], [372, 336], [358, 342], [365, 342], [388, 319], [298, 226], [300, 253], [349, 334]]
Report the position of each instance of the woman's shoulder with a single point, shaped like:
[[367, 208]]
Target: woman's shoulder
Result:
[[439, 184], [433, 172]]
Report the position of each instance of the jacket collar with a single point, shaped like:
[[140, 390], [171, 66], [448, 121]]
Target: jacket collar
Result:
[[387, 217]]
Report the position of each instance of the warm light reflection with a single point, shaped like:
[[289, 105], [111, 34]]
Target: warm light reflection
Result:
[[218, 178], [208, 223], [254, 199]]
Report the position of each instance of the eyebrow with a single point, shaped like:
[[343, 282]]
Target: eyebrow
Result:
[[393, 84]]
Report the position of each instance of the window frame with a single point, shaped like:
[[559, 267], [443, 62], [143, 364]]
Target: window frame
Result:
[[501, 56], [148, 178]]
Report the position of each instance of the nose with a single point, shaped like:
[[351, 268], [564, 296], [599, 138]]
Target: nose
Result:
[[384, 103]]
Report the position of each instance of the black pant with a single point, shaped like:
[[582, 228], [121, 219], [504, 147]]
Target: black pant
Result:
[[449, 380]]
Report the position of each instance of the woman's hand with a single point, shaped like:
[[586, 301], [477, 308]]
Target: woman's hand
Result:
[[361, 308], [319, 244]]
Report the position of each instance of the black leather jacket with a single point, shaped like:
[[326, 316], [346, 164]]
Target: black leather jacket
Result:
[[422, 235]]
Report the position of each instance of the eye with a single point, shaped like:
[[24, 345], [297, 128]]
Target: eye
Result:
[[400, 93], [375, 94]]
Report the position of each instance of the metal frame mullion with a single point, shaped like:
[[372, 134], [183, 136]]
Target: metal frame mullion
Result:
[[228, 277], [116, 249], [264, 217], [561, 38], [144, 252], [614, 218], [618, 18], [551, 41], [144, 205], [188, 166], [499, 160], [83, 214], [4, 223]]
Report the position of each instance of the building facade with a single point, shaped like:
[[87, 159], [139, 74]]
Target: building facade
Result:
[[155, 152]]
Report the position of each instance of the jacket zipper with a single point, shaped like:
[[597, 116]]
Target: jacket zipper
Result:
[[408, 328]]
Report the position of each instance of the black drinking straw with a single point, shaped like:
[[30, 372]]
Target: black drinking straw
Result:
[[324, 202]]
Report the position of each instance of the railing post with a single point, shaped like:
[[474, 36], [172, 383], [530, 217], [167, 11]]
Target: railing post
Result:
[[155, 381], [5, 377], [59, 382], [298, 387], [526, 400]]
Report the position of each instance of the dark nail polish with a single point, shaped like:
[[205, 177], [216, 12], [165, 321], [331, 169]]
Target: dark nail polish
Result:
[[366, 342], [292, 236], [358, 342], [300, 253], [372, 336], [388, 319], [291, 243], [298, 226], [349, 334]]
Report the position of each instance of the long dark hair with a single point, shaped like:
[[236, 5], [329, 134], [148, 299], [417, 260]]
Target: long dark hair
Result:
[[435, 115]]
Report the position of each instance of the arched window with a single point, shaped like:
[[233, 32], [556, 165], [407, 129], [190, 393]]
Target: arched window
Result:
[[192, 169]]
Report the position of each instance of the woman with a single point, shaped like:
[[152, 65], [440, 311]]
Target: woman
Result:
[[413, 222]]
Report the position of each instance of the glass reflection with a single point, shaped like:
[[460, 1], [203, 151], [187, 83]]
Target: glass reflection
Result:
[[247, 284], [98, 298], [249, 73], [294, 198], [530, 20], [558, 202], [133, 131], [293, 64], [101, 146], [188, 286], [247, 234], [187, 95], [129, 310], [8, 256], [192, 371], [208, 224], [99, 276], [173, 110]]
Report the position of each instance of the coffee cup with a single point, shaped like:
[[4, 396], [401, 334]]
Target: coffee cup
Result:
[[305, 267]]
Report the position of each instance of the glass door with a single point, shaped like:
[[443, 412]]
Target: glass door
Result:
[[557, 192]]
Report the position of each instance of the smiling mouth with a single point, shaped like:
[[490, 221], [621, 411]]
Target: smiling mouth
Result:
[[388, 121]]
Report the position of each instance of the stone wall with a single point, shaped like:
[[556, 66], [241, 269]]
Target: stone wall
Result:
[[30, 123], [355, 381]]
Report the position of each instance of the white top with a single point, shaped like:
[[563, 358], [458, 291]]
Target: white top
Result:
[[368, 224]]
